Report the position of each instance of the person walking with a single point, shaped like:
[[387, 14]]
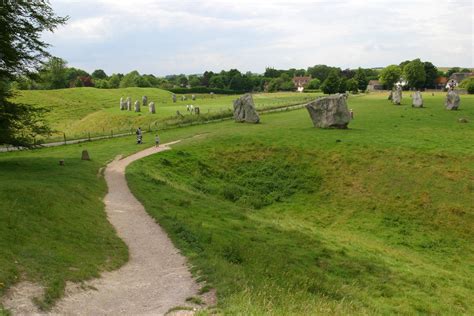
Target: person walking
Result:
[[139, 135], [157, 141]]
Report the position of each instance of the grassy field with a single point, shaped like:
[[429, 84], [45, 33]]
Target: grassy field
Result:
[[286, 219], [80, 111], [280, 217]]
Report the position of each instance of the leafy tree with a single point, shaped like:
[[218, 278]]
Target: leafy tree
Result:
[[114, 81], [414, 74], [72, 74], [361, 79], [314, 84], [194, 81], [130, 80], [272, 73], [431, 73], [321, 71], [348, 73], [390, 75], [21, 47], [217, 81], [53, 74], [465, 70], [342, 85], [99, 74], [207, 75], [452, 70], [352, 86], [403, 64], [101, 83], [331, 84]]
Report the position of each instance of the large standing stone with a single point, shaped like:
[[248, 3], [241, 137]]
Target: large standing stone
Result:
[[173, 96], [417, 99], [193, 97], [137, 106], [129, 104], [397, 96], [122, 104], [452, 100], [329, 112], [151, 107], [144, 100], [244, 110]]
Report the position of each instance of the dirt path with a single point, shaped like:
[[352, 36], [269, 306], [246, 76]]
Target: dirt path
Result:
[[156, 277]]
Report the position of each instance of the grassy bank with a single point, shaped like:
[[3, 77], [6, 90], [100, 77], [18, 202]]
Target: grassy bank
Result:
[[79, 112], [283, 218]]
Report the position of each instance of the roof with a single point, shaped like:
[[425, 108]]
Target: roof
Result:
[[441, 80], [460, 76]]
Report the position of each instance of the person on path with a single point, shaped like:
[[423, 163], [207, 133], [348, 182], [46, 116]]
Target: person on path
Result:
[[139, 135], [157, 141]]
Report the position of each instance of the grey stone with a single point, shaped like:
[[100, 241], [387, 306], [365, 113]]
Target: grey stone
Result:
[[144, 100], [417, 99], [452, 100], [463, 120], [151, 107], [129, 104], [329, 112], [397, 96], [122, 104], [137, 106], [193, 97], [244, 110], [183, 98], [85, 155], [173, 96]]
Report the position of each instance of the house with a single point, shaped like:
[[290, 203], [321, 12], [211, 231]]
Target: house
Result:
[[300, 82], [374, 85], [441, 82]]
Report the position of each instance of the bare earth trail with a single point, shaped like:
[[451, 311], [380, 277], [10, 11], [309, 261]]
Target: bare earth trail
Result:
[[156, 277]]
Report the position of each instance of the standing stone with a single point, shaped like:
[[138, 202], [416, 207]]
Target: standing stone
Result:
[[122, 104], [144, 100], [151, 107], [329, 112], [212, 94], [173, 96], [244, 110], [129, 104], [397, 96], [417, 99], [193, 97], [137, 106], [85, 155], [452, 100], [183, 98]]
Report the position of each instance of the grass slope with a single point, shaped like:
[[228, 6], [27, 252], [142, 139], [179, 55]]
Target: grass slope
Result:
[[285, 219], [80, 111]]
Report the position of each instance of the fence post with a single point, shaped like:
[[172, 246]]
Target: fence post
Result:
[[65, 142], [89, 134], [112, 133]]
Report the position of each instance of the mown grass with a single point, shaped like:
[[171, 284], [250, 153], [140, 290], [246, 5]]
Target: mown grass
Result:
[[283, 218], [80, 112]]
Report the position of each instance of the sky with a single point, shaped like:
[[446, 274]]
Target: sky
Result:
[[164, 37]]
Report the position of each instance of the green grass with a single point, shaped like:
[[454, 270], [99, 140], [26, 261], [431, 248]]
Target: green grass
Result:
[[279, 217], [283, 218], [79, 112]]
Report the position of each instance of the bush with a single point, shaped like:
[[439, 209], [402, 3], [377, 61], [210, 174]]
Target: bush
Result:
[[470, 87], [202, 89]]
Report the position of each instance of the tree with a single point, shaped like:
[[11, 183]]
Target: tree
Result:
[[414, 74], [217, 81], [352, 86], [331, 84], [130, 80], [194, 81], [114, 81], [361, 79], [53, 74], [465, 70], [22, 50], [99, 74], [321, 71], [431, 73], [314, 84], [390, 75], [452, 71]]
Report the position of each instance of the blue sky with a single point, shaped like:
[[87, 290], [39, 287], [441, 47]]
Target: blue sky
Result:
[[190, 36]]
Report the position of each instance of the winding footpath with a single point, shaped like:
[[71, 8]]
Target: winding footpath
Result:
[[156, 277]]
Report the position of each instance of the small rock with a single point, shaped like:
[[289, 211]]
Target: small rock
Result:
[[85, 155], [463, 120]]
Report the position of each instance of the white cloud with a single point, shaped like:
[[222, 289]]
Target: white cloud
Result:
[[191, 36]]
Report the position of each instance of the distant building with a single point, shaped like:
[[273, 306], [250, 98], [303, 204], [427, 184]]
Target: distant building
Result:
[[300, 82], [374, 85], [441, 82]]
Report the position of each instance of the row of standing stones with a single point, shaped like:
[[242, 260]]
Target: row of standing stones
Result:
[[451, 103], [127, 104], [332, 111]]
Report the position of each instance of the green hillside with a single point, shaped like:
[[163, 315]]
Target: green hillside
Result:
[[80, 111]]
